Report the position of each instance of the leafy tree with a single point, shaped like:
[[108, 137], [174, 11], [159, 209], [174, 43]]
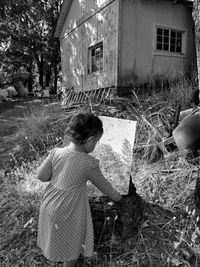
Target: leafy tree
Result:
[[26, 29]]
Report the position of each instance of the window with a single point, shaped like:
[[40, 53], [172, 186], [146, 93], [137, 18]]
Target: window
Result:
[[95, 58], [169, 40]]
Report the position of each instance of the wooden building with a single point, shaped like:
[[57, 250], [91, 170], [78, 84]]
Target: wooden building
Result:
[[122, 43]]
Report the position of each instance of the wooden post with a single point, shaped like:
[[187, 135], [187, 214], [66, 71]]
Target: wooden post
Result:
[[196, 18]]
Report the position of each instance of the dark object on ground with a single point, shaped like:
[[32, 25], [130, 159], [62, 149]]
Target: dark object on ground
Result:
[[131, 207], [121, 219], [187, 134], [194, 98]]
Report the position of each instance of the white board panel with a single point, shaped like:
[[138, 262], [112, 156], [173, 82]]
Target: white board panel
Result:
[[114, 152]]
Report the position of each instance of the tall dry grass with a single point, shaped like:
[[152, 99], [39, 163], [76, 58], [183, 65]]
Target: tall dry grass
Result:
[[169, 235], [41, 129]]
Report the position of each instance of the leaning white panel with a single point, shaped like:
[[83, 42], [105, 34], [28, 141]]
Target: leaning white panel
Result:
[[114, 151]]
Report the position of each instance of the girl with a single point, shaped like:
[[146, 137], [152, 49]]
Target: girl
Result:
[[65, 227]]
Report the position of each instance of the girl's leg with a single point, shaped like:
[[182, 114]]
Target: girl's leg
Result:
[[69, 263]]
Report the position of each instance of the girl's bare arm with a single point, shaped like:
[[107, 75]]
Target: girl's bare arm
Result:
[[98, 179], [44, 172]]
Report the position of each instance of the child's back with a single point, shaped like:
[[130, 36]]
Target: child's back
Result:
[[65, 227], [65, 220]]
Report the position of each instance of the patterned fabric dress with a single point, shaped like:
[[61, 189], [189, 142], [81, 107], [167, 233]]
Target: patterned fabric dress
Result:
[[65, 228]]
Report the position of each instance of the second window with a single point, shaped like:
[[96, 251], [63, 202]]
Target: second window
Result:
[[169, 40]]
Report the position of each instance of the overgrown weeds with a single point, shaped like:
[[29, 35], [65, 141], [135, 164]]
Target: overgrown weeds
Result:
[[169, 235], [42, 128], [19, 206]]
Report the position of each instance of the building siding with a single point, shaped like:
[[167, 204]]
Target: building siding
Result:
[[140, 62], [127, 29], [99, 25]]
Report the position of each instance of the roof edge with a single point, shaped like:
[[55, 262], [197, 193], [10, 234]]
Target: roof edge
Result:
[[62, 16], [67, 4]]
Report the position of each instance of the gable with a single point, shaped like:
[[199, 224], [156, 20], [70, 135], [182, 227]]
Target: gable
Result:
[[87, 8], [75, 12]]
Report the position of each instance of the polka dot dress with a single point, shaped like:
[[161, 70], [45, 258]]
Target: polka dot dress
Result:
[[65, 228]]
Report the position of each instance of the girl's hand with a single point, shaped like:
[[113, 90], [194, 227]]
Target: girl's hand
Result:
[[118, 198], [111, 203]]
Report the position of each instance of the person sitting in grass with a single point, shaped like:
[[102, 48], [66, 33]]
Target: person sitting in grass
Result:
[[65, 228]]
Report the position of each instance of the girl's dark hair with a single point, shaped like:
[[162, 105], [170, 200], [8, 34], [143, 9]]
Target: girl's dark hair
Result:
[[82, 126]]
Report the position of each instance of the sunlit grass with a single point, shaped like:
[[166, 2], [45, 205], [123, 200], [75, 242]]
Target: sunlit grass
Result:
[[169, 233]]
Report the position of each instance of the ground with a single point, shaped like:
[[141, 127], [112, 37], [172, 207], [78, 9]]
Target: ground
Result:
[[11, 114], [166, 236]]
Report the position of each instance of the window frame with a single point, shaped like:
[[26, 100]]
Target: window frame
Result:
[[170, 30], [90, 64]]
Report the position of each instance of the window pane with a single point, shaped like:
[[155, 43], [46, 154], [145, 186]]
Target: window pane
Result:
[[93, 51], [166, 32], [172, 48], [173, 34], [93, 60], [159, 31], [166, 47], [178, 46], [159, 46], [159, 39], [166, 40], [101, 64], [173, 41], [94, 68], [179, 35], [98, 51], [96, 58]]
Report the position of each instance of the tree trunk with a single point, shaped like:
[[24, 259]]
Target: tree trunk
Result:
[[29, 69], [48, 75], [56, 65], [196, 17], [55, 78], [41, 72], [40, 65]]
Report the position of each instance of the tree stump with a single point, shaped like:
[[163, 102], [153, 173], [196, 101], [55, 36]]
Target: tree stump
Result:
[[117, 222]]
